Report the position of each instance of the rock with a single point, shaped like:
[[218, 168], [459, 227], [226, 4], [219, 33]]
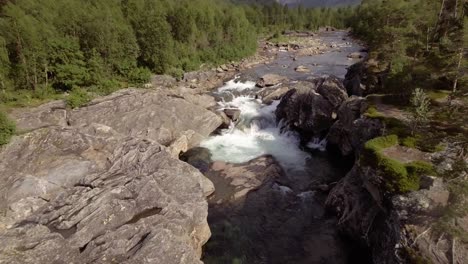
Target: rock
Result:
[[148, 113], [233, 114], [199, 158], [49, 114], [358, 204], [349, 138], [254, 202], [226, 120], [302, 68], [224, 67], [163, 81], [306, 111], [243, 178], [333, 90], [310, 106], [352, 109], [270, 80], [114, 199], [269, 96], [355, 55], [428, 201], [361, 80]]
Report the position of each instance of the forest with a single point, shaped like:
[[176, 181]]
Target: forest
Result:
[[95, 47], [419, 43]]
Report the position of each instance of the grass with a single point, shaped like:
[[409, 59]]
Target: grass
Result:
[[438, 94]]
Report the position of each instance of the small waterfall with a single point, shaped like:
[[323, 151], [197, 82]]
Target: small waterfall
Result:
[[317, 143], [257, 132]]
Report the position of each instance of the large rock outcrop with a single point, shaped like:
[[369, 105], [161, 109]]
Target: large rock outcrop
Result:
[[103, 183], [148, 113], [311, 106]]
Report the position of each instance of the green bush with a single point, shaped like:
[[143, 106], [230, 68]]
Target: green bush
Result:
[[176, 73], [78, 97], [139, 76], [105, 87], [7, 129]]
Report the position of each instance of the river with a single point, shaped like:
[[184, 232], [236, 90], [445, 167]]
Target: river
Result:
[[283, 220]]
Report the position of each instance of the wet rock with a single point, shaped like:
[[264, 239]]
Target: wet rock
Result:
[[233, 114], [332, 89], [270, 95], [270, 80], [355, 55], [305, 110], [257, 204], [226, 120], [149, 113], [114, 199], [199, 158], [302, 68], [310, 106]]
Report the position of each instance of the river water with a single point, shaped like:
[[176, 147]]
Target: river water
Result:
[[284, 220]]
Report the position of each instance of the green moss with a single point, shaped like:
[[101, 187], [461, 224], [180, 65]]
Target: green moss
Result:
[[392, 125], [7, 129], [438, 94], [399, 177], [419, 168], [377, 144], [409, 142], [372, 112], [396, 176]]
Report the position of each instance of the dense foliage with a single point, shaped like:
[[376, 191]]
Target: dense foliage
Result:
[[419, 42], [47, 47]]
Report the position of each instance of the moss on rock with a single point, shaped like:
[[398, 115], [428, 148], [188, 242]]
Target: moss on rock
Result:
[[399, 177]]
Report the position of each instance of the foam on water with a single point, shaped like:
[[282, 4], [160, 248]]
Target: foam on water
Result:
[[257, 134], [317, 143], [234, 85]]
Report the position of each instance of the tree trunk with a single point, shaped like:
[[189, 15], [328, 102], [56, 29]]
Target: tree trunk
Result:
[[439, 18], [427, 39], [46, 75], [457, 72]]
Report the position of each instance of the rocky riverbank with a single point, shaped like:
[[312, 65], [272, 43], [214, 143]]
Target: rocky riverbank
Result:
[[104, 183]]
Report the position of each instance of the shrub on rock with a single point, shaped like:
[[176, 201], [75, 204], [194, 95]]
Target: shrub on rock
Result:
[[7, 129]]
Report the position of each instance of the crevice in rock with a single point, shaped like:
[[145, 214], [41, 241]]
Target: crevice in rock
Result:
[[144, 214], [86, 185], [65, 233], [138, 245], [83, 248]]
